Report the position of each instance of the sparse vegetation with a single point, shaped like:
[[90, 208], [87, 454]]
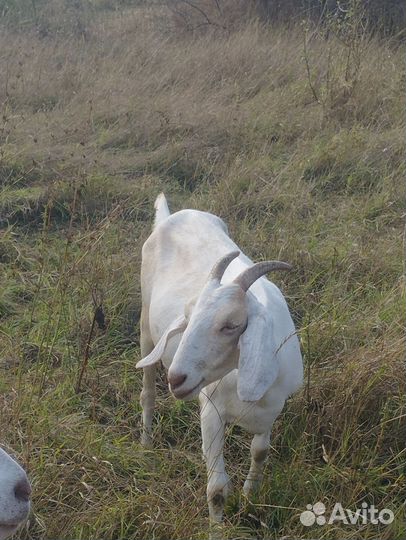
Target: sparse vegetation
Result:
[[296, 139]]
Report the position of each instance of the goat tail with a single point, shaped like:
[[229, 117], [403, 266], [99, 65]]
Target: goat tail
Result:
[[161, 209]]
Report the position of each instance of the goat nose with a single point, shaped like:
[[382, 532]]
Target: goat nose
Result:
[[176, 380], [22, 490]]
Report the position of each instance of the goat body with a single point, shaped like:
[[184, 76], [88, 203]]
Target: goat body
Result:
[[236, 349]]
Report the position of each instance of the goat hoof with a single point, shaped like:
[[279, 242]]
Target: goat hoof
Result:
[[146, 441], [251, 487], [216, 531]]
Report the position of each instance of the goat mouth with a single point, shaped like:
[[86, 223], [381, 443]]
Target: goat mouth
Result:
[[8, 528], [188, 394], [11, 526]]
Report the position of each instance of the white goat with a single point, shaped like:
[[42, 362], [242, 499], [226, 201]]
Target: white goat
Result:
[[15, 493], [239, 351]]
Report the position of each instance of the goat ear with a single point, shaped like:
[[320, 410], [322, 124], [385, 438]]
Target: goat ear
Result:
[[258, 364], [176, 327], [189, 307]]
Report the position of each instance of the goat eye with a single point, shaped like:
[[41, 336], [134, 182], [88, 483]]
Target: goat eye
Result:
[[229, 327]]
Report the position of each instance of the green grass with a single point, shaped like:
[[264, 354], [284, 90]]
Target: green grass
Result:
[[91, 131]]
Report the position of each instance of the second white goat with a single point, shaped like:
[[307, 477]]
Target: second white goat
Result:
[[15, 493], [224, 333]]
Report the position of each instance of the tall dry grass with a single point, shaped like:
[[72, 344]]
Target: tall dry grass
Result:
[[296, 141]]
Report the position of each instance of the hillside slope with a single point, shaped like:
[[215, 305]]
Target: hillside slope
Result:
[[294, 139]]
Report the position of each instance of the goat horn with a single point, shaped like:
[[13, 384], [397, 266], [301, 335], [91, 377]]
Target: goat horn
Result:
[[220, 267], [251, 274]]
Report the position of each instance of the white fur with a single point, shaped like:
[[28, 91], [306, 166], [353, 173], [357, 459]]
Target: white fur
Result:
[[239, 352], [14, 509]]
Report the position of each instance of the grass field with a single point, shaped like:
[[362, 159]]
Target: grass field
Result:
[[297, 141]]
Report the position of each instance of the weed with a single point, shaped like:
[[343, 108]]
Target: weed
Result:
[[101, 114]]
